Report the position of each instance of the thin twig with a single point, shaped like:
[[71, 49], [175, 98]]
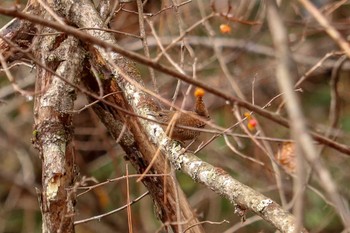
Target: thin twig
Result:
[[98, 217], [285, 73], [88, 38], [332, 32], [143, 37]]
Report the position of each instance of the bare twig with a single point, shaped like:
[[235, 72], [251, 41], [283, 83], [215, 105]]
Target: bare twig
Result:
[[88, 38], [334, 110], [143, 37], [284, 74], [332, 32], [98, 217], [128, 208]]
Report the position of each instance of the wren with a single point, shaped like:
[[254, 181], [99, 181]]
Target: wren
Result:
[[195, 119]]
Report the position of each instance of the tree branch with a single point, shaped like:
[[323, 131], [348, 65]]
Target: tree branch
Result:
[[139, 58], [53, 132]]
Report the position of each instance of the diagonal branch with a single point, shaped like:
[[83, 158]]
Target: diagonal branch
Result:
[[139, 58], [148, 132], [284, 75], [172, 205]]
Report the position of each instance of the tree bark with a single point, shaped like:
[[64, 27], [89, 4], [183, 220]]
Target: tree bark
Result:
[[53, 130], [141, 139]]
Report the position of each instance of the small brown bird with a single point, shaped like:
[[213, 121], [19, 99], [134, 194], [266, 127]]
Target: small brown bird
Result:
[[188, 118]]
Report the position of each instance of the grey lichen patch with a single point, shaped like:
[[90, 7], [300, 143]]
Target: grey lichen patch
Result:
[[52, 153], [56, 137], [53, 96], [163, 141], [263, 204], [227, 185], [63, 147], [205, 175], [137, 97], [193, 166], [134, 97], [157, 135], [48, 100], [131, 93], [155, 131], [175, 149], [176, 153], [115, 75], [112, 56]]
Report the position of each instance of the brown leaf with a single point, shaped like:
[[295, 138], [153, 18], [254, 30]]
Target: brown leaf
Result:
[[286, 156]]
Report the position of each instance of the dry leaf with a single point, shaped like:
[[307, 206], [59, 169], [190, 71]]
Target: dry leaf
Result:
[[286, 156]]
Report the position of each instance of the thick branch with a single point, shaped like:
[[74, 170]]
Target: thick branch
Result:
[[53, 129], [170, 200], [215, 179]]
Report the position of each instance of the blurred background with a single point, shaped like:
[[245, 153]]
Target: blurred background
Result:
[[231, 50]]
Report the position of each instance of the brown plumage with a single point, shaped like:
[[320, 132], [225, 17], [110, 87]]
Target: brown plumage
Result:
[[188, 118]]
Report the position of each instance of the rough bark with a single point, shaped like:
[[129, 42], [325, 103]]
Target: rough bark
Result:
[[53, 130], [172, 206]]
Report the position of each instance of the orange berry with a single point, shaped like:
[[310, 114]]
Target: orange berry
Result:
[[247, 115], [199, 92], [225, 28]]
